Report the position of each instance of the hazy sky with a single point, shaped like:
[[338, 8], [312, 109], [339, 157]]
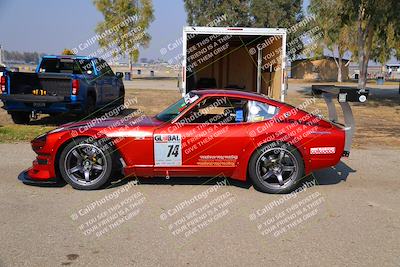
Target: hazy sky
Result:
[[49, 26]]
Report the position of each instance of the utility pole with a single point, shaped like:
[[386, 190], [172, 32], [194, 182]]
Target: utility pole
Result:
[[1, 56]]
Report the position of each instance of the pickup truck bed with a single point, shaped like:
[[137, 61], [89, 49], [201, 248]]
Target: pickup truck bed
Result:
[[61, 85], [55, 84]]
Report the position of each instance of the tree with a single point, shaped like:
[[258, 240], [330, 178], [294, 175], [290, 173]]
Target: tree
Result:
[[337, 36], [67, 51], [124, 27], [202, 13], [21, 56], [253, 13], [275, 13], [377, 30], [250, 13]]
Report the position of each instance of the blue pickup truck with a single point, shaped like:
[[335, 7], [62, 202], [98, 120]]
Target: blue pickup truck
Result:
[[61, 84]]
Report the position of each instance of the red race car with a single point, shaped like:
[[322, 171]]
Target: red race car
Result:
[[239, 134]]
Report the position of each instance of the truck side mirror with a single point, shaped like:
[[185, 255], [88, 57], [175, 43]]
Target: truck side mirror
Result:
[[119, 75]]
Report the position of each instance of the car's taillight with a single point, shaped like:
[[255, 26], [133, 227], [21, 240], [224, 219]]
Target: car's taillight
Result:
[[3, 84], [75, 87]]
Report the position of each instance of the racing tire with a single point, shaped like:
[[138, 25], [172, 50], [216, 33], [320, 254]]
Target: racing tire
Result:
[[20, 117], [86, 165], [276, 168]]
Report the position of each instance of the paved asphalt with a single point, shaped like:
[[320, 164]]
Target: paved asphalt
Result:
[[351, 217]]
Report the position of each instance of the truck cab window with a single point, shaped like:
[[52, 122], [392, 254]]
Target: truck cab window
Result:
[[103, 68], [62, 65], [217, 110], [84, 66]]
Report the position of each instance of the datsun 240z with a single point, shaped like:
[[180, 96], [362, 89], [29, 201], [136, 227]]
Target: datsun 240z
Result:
[[241, 135]]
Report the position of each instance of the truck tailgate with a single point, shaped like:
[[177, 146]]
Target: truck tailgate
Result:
[[53, 83]]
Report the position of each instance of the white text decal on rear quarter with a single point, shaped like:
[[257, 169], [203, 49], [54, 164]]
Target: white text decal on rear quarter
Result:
[[322, 150]]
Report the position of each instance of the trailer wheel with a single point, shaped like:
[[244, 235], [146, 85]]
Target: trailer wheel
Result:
[[20, 117]]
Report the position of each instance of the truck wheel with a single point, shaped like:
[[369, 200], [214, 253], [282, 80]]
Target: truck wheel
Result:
[[20, 117], [85, 165], [276, 168], [121, 97]]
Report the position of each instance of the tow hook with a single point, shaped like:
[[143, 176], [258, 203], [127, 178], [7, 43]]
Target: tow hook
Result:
[[34, 114], [346, 154]]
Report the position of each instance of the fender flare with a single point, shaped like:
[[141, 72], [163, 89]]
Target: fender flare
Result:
[[241, 170]]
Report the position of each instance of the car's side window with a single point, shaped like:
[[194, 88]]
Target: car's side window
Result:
[[217, 110], [258, 111]]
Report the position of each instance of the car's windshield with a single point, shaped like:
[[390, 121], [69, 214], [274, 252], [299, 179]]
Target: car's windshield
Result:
[[175, 109]]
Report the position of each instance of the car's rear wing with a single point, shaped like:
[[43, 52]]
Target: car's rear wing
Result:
[[344, 95]]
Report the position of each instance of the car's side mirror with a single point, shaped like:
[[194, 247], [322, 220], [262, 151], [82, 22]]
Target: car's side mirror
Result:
[[119, 75]]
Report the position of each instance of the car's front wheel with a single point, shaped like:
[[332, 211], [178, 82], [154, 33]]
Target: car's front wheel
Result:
[[276, 168], [85, 165]]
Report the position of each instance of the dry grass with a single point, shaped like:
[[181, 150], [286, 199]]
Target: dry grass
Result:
[[152, 102]]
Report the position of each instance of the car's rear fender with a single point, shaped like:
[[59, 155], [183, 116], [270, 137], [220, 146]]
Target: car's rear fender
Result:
[[240, 172]]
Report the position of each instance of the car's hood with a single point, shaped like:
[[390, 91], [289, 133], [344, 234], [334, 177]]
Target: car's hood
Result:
[[113, 123]]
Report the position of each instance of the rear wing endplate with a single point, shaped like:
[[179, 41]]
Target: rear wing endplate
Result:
[[344, 95]]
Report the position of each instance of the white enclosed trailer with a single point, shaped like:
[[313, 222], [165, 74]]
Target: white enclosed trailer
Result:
[[250, 59]]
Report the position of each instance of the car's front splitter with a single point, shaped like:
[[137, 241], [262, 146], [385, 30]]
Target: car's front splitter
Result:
[[26, 179]]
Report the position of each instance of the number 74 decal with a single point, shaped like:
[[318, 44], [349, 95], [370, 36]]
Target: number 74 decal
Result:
[[167, 150], [173, 150]]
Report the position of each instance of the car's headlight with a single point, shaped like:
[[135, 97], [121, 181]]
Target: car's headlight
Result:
[[39, 142]]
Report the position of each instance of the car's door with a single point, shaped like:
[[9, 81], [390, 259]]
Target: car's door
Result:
[[206, 140]]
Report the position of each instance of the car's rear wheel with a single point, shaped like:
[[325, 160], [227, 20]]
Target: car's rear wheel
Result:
[[276, 168], [85, 165], [20, 117]]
